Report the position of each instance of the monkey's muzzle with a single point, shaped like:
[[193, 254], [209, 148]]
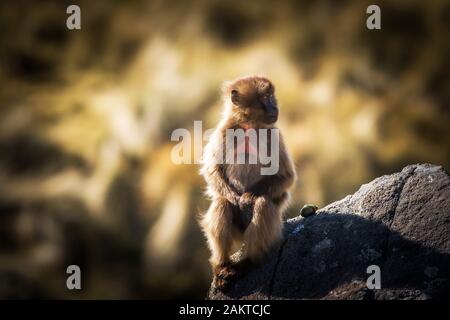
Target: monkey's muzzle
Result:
[[270, 109]]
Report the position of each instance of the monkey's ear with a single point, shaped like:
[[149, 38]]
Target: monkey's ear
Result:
[[235, 97]]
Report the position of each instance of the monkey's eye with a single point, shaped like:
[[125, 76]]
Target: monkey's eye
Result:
[[266, 97], [234, 96]]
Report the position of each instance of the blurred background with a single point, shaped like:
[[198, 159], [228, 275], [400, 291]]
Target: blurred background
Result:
[[86, 115]]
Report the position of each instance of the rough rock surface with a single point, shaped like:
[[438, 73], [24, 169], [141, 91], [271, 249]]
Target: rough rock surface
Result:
[[400, 222]]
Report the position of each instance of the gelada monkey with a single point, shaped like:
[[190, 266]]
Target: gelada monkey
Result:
[[247, 205]]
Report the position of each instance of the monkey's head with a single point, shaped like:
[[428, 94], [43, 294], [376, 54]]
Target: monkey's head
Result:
[[253, 100]]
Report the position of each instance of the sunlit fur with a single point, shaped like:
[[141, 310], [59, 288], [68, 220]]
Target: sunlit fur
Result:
[[236, 187]]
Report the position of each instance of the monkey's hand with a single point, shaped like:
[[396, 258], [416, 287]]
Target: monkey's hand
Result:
[[246, 202], [235, 198], [220, 184]]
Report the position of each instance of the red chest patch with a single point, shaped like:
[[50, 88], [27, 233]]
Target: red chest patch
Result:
[[247, 146]]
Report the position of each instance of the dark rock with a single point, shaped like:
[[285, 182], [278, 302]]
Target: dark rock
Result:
[[15, 286], [398, 222]]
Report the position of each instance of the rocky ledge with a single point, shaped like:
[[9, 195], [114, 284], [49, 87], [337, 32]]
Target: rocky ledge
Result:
[[398, 222]]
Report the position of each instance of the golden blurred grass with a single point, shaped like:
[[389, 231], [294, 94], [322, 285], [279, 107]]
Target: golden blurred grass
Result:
[[86, 117]]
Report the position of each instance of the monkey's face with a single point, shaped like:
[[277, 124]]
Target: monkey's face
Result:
[[254, 100]]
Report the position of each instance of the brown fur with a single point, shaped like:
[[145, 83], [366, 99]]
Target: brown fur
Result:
[[245, 204]]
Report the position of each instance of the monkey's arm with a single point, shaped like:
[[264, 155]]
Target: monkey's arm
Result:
[[213, 169], [218, 182], [275, 185], [272, 186]]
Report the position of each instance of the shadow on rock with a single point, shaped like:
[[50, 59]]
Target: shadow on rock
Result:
[[398, 222]]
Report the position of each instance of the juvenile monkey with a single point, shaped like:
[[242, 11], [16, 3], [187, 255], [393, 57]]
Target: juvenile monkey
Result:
[[239, 191]]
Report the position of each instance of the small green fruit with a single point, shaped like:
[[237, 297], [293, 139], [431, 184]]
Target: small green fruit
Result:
[[308, 210]]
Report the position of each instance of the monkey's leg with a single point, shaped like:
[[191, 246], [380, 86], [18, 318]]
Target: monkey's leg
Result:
[[264, 231], [217, 225]]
